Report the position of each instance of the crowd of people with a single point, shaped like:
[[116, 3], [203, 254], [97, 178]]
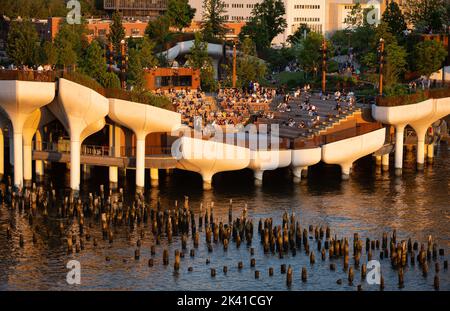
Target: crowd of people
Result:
[[193, 105]]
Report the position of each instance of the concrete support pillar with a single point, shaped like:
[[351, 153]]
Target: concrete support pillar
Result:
[[11, 146], [430, 154], [27, 164], [75, 150], [258, 174], [297, 172], [114, 143], [346, 169], [2, 154], [154, 177], [385, 162], [86, 172], [39, 164], [18, 160], [421, 132], [377, 160], [207, 181], [140, 162], [399, 134]]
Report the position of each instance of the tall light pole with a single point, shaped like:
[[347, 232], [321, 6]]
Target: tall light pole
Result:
[[324, 65], [381, 66]]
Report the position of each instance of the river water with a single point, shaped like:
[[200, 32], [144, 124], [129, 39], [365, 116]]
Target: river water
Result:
[[371, 202]]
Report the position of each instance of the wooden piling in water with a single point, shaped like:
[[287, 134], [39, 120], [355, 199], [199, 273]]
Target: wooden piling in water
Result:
[[270, 271], [289, 276], [176, 265], [165, 257], [436, 282], [350, 276], [304, 275]]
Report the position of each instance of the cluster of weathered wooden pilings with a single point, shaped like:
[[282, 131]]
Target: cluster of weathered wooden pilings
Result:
[[110, 211]]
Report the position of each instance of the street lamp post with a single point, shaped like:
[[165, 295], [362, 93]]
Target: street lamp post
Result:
[[381, 66], [234, 65], [122, 64], [324, 65]]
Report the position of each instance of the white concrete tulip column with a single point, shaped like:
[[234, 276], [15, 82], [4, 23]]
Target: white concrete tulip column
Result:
[[208, 157], [262, 160], [345, 152], [114, 144], [19, 99], [4, 122], [82, 111], [302, 158], [420, 116], [142, 120]]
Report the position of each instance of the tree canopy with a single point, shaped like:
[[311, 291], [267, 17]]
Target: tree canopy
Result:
[[394, 18], [267, 21], [23, 43], [427, 16], [213, 22], [180, 13], [116, 32], [429, 56]]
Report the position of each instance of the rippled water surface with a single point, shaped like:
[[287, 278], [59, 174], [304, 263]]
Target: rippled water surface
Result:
[[370, 203]]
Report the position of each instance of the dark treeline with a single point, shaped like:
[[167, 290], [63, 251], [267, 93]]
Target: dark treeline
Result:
[[47, 8]]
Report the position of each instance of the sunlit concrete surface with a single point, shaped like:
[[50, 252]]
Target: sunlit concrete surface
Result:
[[80, 110], [19, 99], [302, 158], [420, 116], [142, 120], [263, 160], [208, 157], [345, 152]]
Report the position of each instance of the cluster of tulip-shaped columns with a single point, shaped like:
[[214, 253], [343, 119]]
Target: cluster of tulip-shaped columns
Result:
[[208, 157], [19, 100], [82, 112], [420, 116], [142, 120], [345, 152]]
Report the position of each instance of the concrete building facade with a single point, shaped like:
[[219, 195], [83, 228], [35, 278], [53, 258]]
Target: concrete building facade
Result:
[[322, 16]]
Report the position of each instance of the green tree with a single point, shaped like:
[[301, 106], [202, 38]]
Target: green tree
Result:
[[49, 54], [429, 56], [394, 18], [355, 18], [180, 13], [158, 30], [309, 56], [67, 57], [93, 63], [299, 34], [395, 64], [213, 21], [22, 43], [109, 80], [249, 67], [116, 32], [147, 55], [266, 22], [76, 35], [427, 15], [198, 59], [135, 74]]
